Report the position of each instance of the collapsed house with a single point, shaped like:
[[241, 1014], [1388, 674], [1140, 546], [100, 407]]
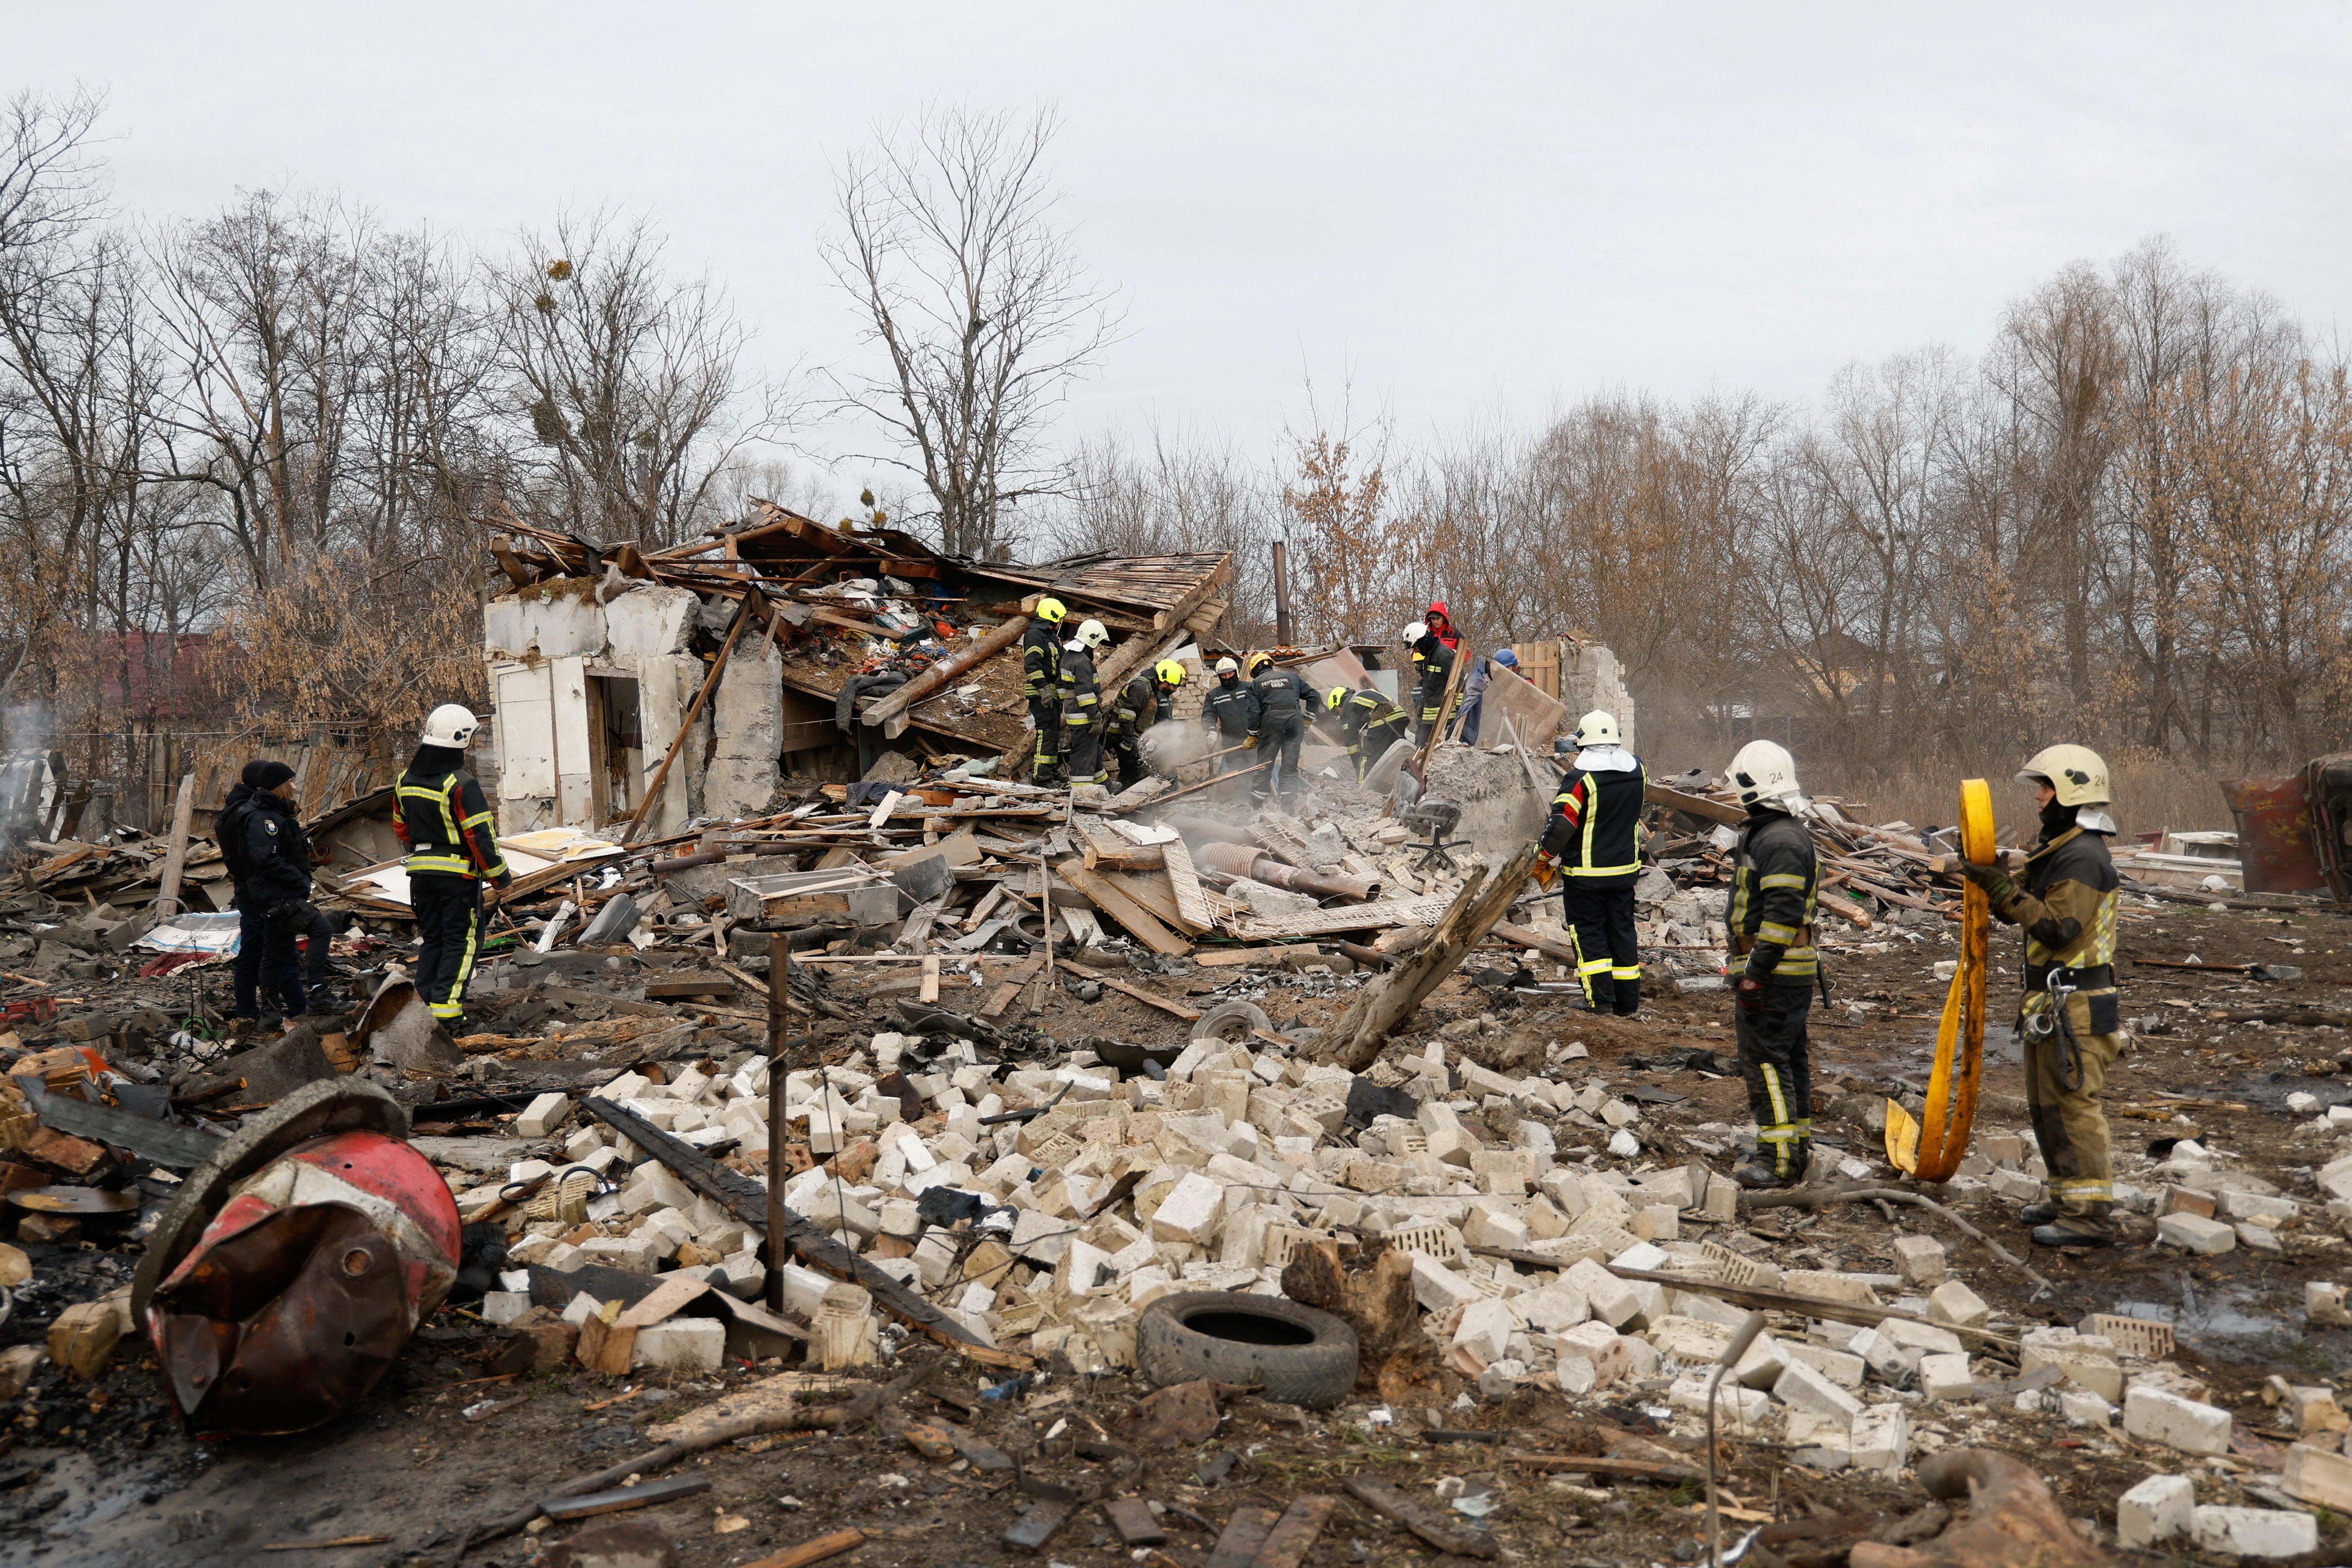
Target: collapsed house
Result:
[[704, 674]]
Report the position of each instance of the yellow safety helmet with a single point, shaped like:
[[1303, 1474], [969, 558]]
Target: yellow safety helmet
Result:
[[1227, 666], [1051, 609], [1333, 698], [1259, 660], [1169, 672], [2078, 774]]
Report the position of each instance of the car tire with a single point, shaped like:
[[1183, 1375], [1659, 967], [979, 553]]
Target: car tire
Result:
[[1291, 1354], [1231, 1022]]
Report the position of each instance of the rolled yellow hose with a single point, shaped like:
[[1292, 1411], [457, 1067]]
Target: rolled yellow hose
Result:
[[1930, 1148]]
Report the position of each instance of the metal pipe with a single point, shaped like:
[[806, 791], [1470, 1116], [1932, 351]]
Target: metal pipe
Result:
[[1247, 860], [1281, 594], [780, 990], [1748, 1329]]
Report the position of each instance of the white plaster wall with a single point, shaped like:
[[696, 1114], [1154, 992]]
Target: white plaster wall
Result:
[[747, 727], [650, 620], [665, 686]]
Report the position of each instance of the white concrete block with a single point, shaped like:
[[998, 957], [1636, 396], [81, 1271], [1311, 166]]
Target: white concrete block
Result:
[[1803, 1388], [682, 1344], [1738, 1409], [542, 1115], [625, 1252], [1919, 1259], [2157, 1508], [1613, 1301], [1946, 1377], [2326, 1305], [2321, 1476], [1881, 1438], [2194, 1234], [504, 1306], [1839, 1367], [2253, 1531], [1437, 1287], [1191, 1211], [1486, 1329], [1953, 1302], [2153, 1415]]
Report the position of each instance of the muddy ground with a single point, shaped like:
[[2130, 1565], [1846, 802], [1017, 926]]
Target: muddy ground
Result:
[[99, 1474]]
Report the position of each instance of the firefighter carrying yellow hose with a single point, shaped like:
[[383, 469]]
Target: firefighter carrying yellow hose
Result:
[[2069, 1016]]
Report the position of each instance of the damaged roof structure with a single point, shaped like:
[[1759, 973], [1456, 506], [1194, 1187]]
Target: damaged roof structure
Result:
[[819, 646]]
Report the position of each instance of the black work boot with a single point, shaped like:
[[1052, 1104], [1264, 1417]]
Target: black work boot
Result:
[[1629, 997], [2041, 1211], [1757, 1174], [2073, 1230]]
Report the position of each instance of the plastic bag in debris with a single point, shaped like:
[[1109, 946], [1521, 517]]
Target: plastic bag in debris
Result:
[[945, 1206]]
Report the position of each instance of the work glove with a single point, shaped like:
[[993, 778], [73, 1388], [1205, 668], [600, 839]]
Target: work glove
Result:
[[1546, 871], [1995, 881], [503, 881], [1250, 743], [1748, 993]]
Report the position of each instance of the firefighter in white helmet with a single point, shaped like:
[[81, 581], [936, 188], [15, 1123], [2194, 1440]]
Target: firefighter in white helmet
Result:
[[2070, 1015], [441, 816], [1775, 877], [1594, 841], [1082, 708]]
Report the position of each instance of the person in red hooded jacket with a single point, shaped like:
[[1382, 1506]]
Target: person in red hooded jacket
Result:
[[1441, 625]]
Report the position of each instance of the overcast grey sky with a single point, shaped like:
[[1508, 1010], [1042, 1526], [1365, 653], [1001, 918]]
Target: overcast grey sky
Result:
[[1480, 210]]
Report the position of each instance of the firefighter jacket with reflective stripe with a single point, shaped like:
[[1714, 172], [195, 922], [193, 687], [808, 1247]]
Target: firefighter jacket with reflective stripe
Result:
[[1041, 659], [1361, 711], [1595, 829], [1081, 700], [445, 824], [1775, 878], [1280, 694], [2067, 907], [1137, 706], [1230, 710], [1437, 668]]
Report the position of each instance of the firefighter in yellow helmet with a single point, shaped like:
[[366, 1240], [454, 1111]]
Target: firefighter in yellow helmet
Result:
[[2070, 1015], [1134, 707], [1369, 724], [1041, 679]]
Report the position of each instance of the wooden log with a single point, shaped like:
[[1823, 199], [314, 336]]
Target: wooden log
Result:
[[175, 860], [1355, 1040], [1696, 806], [1000, 638]]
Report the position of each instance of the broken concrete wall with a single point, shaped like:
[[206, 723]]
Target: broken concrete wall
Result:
[[665, 686], [747, 728], [550, 626], [1591, 677], [650, 620], [1501, 809]]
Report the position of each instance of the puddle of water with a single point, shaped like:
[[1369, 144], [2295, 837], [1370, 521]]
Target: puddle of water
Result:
[[2229, 1323]]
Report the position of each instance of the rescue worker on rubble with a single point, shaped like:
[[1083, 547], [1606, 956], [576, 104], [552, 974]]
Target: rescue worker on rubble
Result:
[[269, 859], [1441, 625], [1473, 691], [1281, 726], [2069, 1014], [1040, 678], [1082, 713], [1775, 878], [1142, 702], [1434, 661], [443, 820], [1594, 842], [1369, 725], [1229, 712]]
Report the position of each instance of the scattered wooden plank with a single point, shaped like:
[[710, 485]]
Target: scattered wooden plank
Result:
[[1578, 1464], [1122, 909], [1175, 1009], [1150, 890], [1184, 881], [1245, 1533], [1234, 957], [817, 1551], [930, 991], [1392, 1504], [1381, 916], [693, 986], [1696, 806], [1286, 1545], [1526, 936]]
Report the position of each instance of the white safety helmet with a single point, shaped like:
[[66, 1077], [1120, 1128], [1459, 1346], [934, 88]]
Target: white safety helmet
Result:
[[2078, 774], [1093, 633], [451, 724], [1764, 772], [1227, 666], [1597, 728], [1414, 633]]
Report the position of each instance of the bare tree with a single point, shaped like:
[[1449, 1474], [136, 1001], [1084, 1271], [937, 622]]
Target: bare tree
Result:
[[629, 379], [981, 306]]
